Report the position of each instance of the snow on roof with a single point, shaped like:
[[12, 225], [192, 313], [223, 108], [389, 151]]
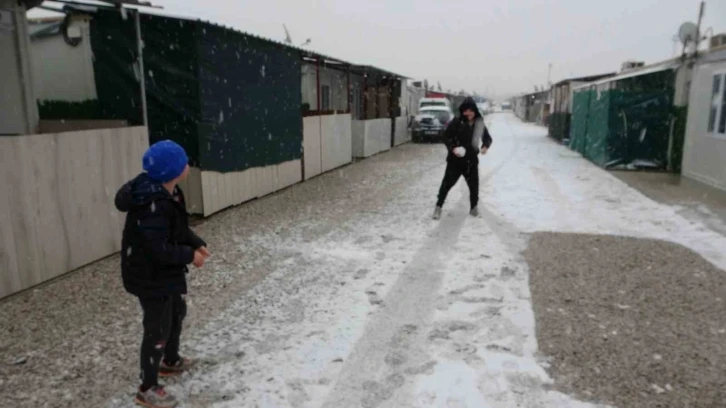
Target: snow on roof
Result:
[[305, 52], [650, 69], [588, 78]]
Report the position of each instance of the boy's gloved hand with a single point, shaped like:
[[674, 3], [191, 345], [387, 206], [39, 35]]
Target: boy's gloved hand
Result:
[[459, 151]]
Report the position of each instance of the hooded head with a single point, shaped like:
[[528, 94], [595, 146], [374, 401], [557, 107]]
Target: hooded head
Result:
[[469, 105], [165, 161]]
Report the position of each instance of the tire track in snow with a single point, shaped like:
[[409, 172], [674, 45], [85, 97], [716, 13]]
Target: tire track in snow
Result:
[[386, 353], [394, 345]]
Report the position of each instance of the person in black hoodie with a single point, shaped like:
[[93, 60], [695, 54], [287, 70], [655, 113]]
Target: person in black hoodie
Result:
[[465, 137], [157, 246]]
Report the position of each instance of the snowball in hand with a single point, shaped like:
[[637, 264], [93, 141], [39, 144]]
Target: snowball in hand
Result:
[[459, 151]]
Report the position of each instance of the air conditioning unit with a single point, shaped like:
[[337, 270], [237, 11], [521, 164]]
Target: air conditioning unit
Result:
[[629, 65], [718, 40]]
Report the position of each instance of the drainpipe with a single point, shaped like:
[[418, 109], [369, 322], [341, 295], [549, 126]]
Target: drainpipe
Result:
[[140, 61], [22, 57], [349, 93], [363, 94], [317, 85], [320, 111]]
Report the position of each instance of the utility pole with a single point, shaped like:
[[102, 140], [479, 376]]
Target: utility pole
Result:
[[701, 11], [549, 75]]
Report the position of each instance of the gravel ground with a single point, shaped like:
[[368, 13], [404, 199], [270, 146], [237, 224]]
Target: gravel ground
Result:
[[629, 322], [73, 342]]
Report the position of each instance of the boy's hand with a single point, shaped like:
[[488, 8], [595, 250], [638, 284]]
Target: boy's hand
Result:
[[204, 251], [199, 259], [484, 150]]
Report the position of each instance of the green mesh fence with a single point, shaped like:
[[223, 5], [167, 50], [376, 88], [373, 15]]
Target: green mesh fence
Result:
[[579, 120], [626, 124], [231, 100]]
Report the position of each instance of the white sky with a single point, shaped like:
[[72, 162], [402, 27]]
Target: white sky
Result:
[[497, 47]]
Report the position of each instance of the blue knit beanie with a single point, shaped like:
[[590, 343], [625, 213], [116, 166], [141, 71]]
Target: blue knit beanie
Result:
[[165, 161]]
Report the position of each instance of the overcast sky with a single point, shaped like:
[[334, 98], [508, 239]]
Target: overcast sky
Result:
[[495, 46]]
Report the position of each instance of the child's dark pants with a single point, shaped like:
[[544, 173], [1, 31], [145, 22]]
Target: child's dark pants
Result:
[[162, 327]]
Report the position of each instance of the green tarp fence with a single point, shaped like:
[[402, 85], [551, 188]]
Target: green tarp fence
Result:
[[230, 99], [625, 124]]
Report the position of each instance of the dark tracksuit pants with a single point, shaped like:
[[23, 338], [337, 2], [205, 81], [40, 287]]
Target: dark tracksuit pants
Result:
[[454, 170], [163, 319]]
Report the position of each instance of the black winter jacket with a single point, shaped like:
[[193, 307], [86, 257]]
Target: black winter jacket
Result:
[[157, 243], [460, 133]]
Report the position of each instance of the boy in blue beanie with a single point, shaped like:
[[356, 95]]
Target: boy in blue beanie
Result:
[[156, 248]]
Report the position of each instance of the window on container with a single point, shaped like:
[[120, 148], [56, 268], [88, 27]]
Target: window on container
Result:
[[718, 103], [325, 97]]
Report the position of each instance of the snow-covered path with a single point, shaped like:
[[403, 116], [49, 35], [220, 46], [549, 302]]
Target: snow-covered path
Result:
[[393, 309]]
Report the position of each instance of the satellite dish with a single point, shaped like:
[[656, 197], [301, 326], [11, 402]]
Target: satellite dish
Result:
[[688, 33]]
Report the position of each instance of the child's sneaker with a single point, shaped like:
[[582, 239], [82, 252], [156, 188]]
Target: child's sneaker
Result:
[[474, 212], [170, 370], [155, 397], [437, 213]]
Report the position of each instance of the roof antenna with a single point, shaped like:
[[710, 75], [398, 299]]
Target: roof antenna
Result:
[[288, 38]]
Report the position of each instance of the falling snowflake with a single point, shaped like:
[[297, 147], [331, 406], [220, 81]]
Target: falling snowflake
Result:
[[151, 73], [151, 160], [128, 252], [262, 71], [221, 117], [153, 206], [230, 101], [269, 136]]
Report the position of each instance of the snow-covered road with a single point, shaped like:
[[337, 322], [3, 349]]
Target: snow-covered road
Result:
[[397, 310]]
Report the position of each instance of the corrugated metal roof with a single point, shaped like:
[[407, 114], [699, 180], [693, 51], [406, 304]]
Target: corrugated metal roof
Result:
[[717, 54], [303, 52], [114, 3], [588, 78], [366, 68], [651, 69], [158, 12]]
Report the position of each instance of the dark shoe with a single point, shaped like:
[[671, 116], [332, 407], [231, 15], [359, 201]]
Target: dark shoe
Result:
[[170, 370], [474, 212]]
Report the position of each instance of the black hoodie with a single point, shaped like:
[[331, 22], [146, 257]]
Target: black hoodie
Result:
[[460, 133], [157, 243]]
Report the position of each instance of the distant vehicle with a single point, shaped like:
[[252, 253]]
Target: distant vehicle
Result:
[[485, 107], [506, 105], [430, 123], [438, 102]]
